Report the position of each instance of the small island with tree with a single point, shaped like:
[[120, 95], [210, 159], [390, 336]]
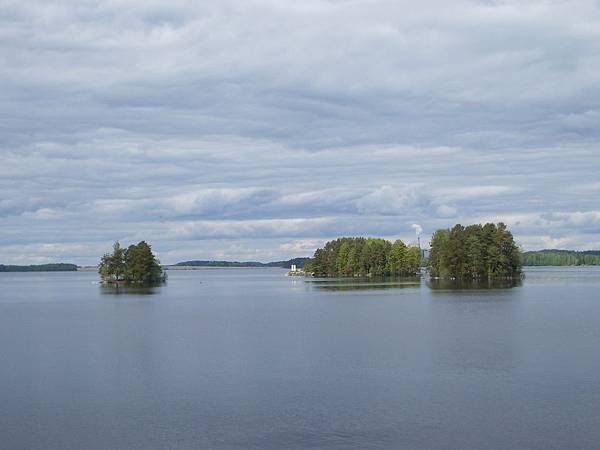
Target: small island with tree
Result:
[[134, 265], [475, 252], [364, 257]]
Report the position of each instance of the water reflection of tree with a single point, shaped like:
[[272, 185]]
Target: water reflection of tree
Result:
[[116, 289], [365, 283], [448, 284]]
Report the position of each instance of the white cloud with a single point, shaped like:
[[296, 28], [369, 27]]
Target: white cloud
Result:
[[301, 246], [574, 219], [470, 192], [446, 211], [389, 200], [581, 121]]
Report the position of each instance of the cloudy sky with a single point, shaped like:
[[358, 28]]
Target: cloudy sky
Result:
[[259, 129]]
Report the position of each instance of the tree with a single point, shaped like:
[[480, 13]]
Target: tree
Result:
[[112, 265], [438, 255], [342, 258], [397, 258], [413, 261]]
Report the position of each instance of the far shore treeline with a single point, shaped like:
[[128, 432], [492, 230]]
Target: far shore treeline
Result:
[[298, 262], [364, 257], [53, 267], [134, 265], [474, 252], [562, 258]]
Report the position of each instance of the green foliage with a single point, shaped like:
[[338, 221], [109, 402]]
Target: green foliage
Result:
[[358, 256], [474, 252], [561, 258], [136, 264], [56, 267]]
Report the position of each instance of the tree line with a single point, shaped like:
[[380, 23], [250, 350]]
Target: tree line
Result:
[[135, 264], [52, 267], [364, 257], [561, 258], [299, 262], [474, 252]]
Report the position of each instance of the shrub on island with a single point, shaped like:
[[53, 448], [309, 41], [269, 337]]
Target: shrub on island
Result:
[[474, 252], [134, 265]]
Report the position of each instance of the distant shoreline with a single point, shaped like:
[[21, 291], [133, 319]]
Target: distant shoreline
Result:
[[536, 258], [561, 258], [287, 264], [53, 267], [174, 267]]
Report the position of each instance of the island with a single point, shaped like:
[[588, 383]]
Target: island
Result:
[[134, 265], [364, 257], [474, 252]]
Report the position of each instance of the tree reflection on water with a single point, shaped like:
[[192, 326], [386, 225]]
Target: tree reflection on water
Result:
[[358, 284], [130, 289], [437, 284]]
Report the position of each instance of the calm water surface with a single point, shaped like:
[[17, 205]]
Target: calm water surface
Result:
[[251, 359]]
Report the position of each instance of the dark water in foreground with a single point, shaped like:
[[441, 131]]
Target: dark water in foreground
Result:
[[250, 359]]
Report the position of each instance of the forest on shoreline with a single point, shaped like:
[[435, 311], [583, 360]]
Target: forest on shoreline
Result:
[[562, 258], [53, 267], [299, 262]]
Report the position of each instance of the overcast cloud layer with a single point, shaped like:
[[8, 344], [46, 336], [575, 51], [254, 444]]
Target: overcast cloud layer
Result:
[[260, 129]]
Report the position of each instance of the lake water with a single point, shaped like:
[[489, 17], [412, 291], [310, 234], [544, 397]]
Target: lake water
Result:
[[251, 359]]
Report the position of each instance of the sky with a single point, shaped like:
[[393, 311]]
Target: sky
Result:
[[258, 130]]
